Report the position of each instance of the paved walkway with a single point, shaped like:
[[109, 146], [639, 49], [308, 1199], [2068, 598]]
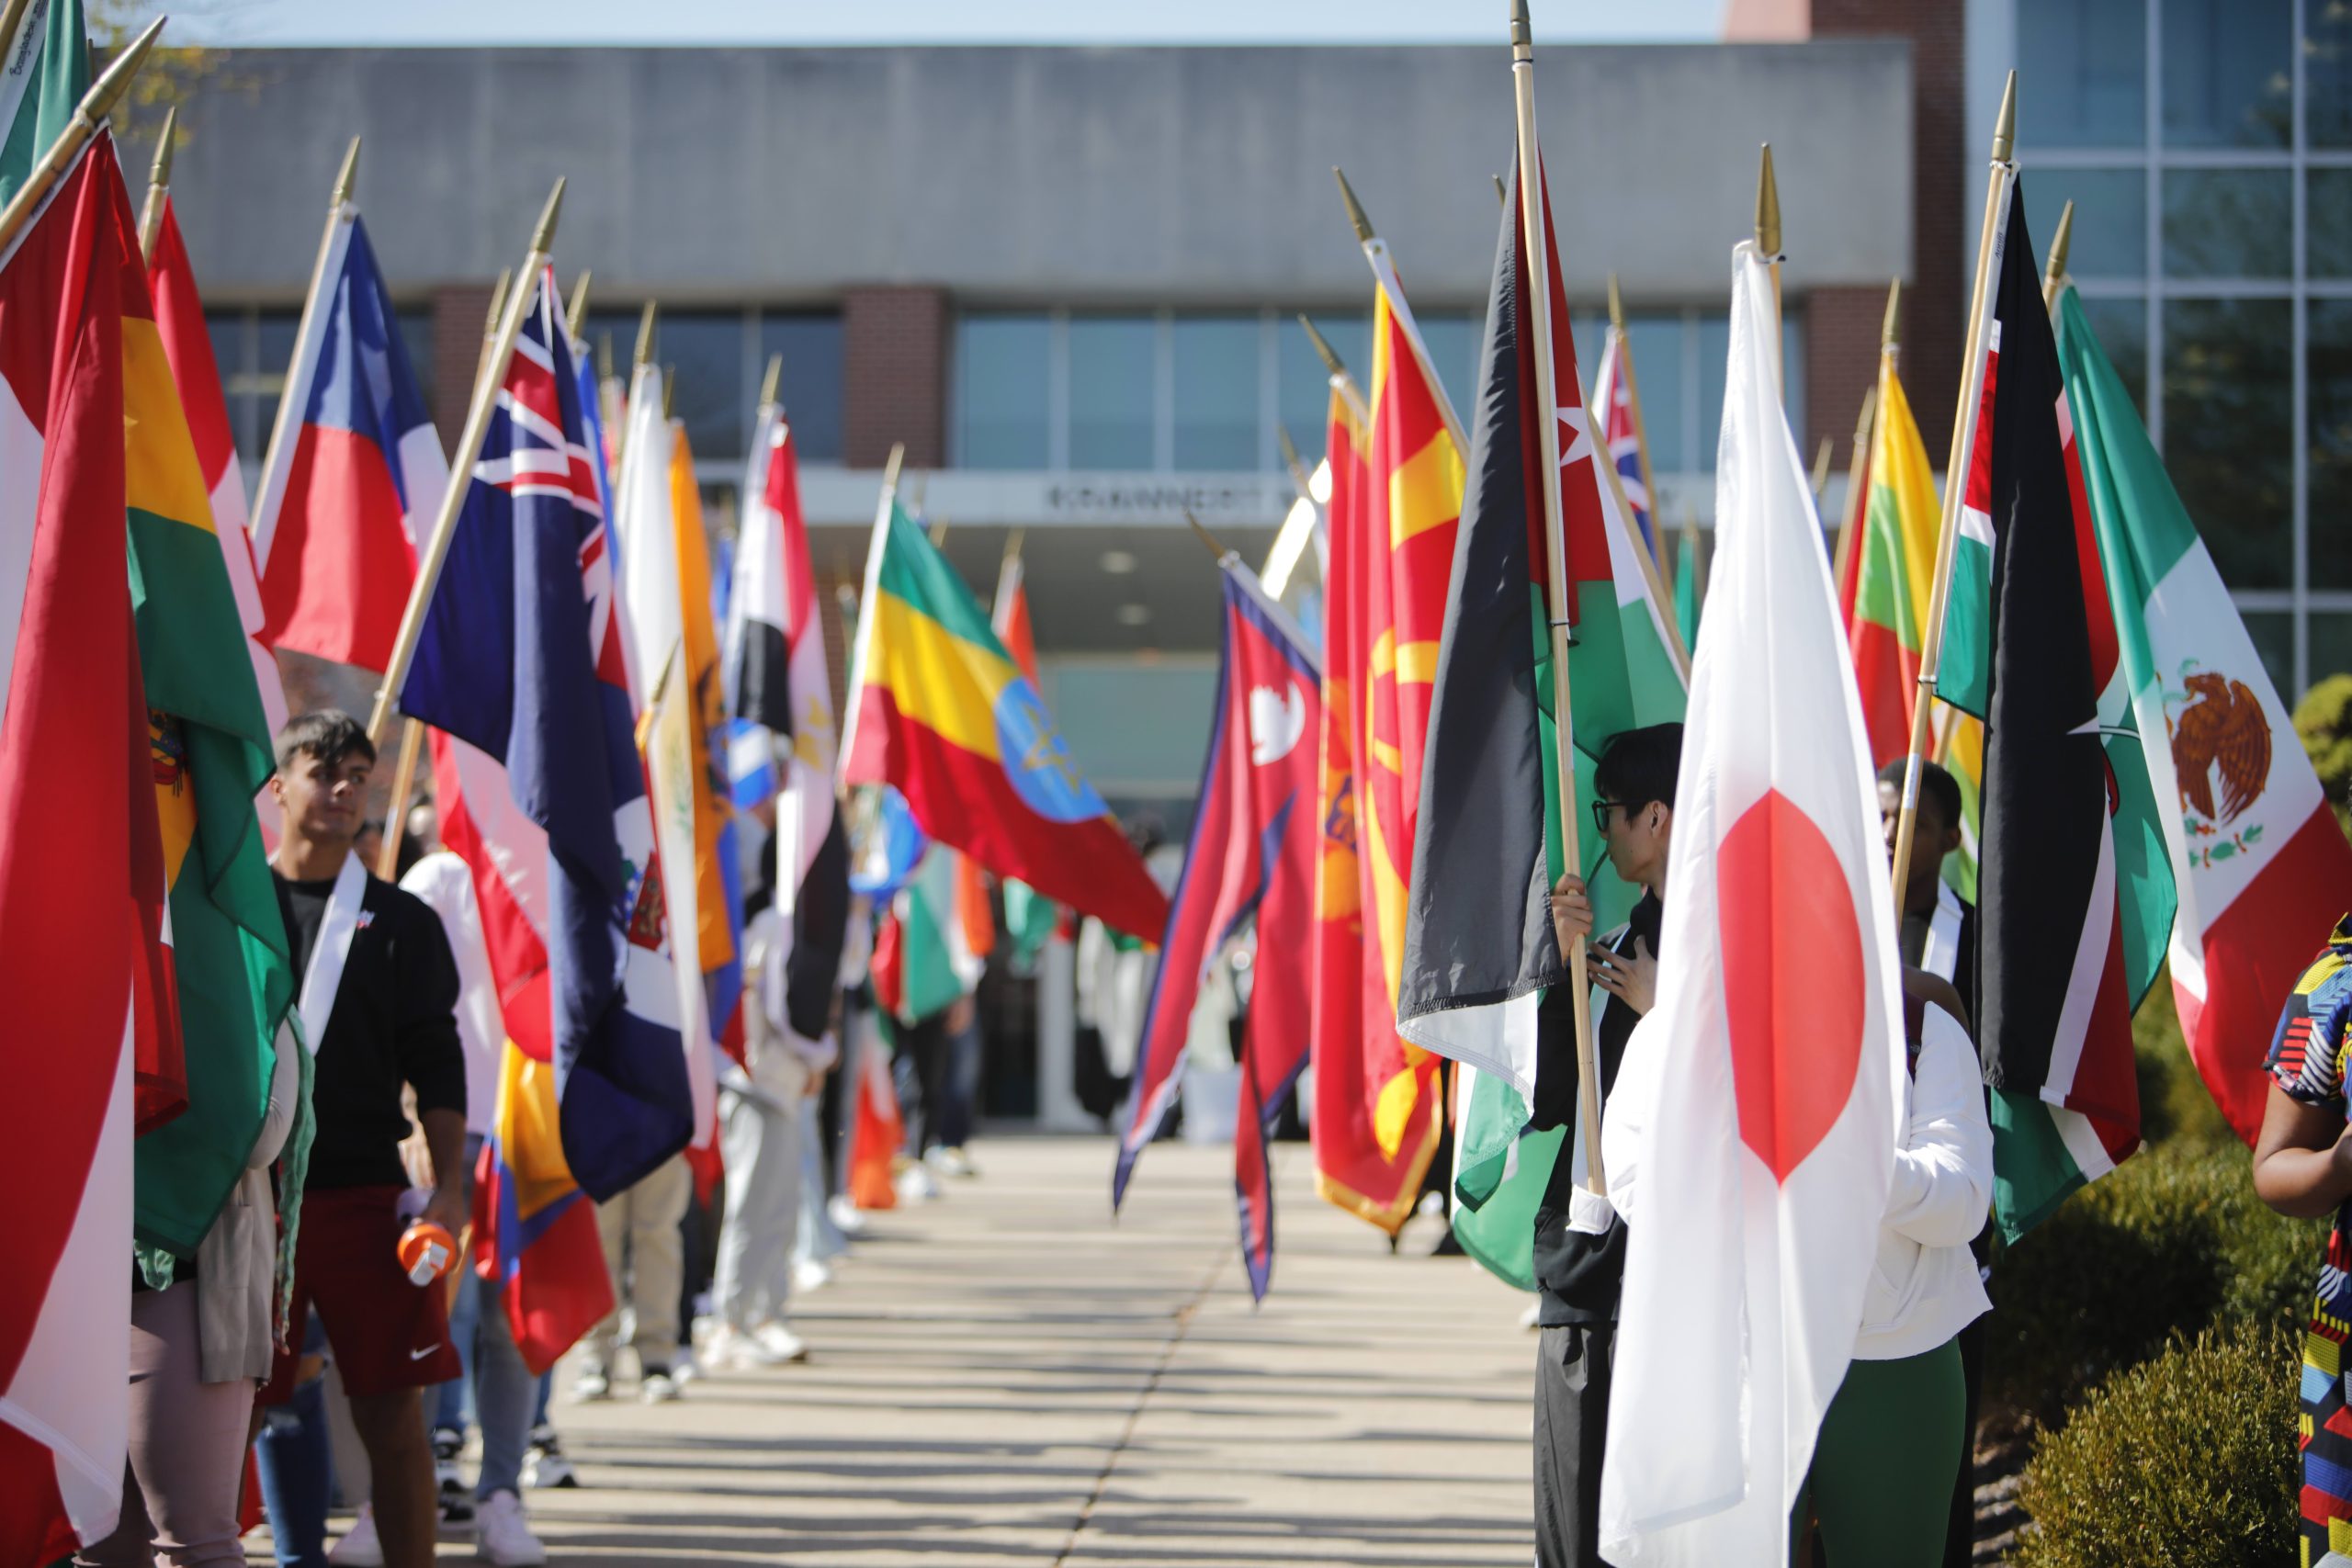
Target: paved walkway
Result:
[[1005, 1377]]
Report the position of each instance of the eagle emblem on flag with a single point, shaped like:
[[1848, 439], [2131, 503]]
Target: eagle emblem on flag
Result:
[[2219, 735]]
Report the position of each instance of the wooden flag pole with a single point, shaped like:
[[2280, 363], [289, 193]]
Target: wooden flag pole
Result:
[[1384, 274], [469, 451], [1641, 427], [2054, 279], [1963, 447], [1849, 528], [862, 809], [1535, 246], [339, 212], [159, 185], [88, 115]]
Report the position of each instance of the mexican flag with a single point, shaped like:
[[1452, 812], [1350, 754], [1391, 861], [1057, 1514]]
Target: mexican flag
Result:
[[2261, 868]]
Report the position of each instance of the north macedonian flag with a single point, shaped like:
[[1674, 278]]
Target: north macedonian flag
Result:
[[938, 710]]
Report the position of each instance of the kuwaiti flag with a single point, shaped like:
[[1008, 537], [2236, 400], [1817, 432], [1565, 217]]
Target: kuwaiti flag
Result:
[[81, 862], [1616, 394], [541, 790], [1255, 853], [2257, 860], [938, 709], [1770, 1109], [355, 472]]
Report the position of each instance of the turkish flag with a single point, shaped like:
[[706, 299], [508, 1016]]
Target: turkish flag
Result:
[[1752, 1136]]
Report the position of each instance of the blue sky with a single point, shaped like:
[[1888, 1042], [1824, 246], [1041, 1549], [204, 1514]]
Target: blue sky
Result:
[[706, 22]]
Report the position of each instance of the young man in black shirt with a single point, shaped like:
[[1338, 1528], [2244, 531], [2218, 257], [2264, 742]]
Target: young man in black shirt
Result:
[[378, 1004], [1580, 1242]]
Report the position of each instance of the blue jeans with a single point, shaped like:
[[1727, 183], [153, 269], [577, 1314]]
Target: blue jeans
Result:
[[297, 1469], [452, 1405], [503, 1388]]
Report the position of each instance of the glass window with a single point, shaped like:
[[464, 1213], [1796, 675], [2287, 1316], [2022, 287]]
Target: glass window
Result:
[[2327, 212], [1113, 361], [2228, 79], [810, 385], [2228, 384], [2121, 327], [1656, 342], [2327, 72], [2331, 648], [416, 340], [2229, 223], [1304, 395], [227, 330], [1452, 340], [274, 334], [1002, 396], [2273, 632], [2083, 66], [702, 351], [2330, 371], [1217, 418], [2111, 237]]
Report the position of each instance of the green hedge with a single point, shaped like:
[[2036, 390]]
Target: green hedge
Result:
[[2188, 1461]]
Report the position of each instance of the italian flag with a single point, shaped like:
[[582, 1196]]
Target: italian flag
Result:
[[2263, 871]]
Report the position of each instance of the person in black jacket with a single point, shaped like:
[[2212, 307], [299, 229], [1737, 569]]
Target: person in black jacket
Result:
[[1579, 1243]]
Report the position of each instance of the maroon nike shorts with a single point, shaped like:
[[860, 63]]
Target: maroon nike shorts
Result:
[[386, 1334]]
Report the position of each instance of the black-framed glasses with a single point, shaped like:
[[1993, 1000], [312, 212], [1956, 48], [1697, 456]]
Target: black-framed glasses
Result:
[[1600, 810]]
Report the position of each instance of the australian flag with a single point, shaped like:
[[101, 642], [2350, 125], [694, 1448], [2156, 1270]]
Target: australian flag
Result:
[[520, 663], [1255, 848]]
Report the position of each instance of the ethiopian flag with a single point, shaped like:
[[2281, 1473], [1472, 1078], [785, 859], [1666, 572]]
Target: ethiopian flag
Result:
[[938, 710], [210, 742], [1895, 567]]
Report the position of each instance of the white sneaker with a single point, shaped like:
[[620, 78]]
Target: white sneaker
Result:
[[1533, 1318], [359, 1548], [847, 1217], [810, 1274], [659, 1388], [780, 1341], [686, 1367], [951, 1162], [592, 1384], [545, 1464], [503, 1535], [917, 1185], [734, 1350]]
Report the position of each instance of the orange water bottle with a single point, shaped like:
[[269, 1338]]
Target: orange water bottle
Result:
[[426, 1249]]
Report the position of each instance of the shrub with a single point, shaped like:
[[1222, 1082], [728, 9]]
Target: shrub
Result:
[[2188, 1461], [2323, 720], [2174, 1105]]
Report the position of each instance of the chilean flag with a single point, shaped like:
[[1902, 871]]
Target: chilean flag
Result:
[[1762, 1088], [355, 473], [1255, 850]]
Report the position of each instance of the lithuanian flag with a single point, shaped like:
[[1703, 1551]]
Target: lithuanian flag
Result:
[[1896, 561], [939, 711], [212, 753]]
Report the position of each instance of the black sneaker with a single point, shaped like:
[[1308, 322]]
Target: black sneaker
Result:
[[456, 1498], [544, 1465]]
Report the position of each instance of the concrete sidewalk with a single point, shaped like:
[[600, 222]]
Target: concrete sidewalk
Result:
[[1005, 1376]]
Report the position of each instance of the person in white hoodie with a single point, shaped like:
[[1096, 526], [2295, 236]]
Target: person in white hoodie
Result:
[[1884, 1467]]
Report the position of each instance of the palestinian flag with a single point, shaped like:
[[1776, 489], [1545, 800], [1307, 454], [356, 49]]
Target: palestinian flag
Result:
[[1478, 944], [1893, 569], [2253, 848], [940, 711], [2077, 895]]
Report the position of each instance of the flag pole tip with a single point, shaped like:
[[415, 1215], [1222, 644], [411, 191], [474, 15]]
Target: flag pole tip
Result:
[[345, 178], [768, 383], [107, 90], [2059, 244], [1356, 214], [504, 281], [1522, 33], [1206, 537], [669, 389], [543, 237], [644, 355], [1501, 195], [2005, 128], [576, 313], [1323, 350], [159, 175], [1290, 450], [1616, 307], [1887, 338], [1768, 207]]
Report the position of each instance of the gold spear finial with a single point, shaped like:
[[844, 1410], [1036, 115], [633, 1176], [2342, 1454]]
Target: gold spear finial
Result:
[[159, 174], [669, 389], [1501, 195], [1616, 307], [347, 177], [768, 383], [2059, 244], [2005, 128], [1887, 338], [1522, 35], [644, 339], [1768, 207], [1289, 452], [1356, 208], [543, 237], [576, 313], [1216, 549], [498, 301], [1331, 365]]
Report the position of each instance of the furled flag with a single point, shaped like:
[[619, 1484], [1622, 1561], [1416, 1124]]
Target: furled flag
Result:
[[938, 709], [933, 945], [1689, 594], [355, 472], [665, 572], [2256, 858], [1893, 567], [82, 897], [1480, 948], [233, 976], [43, 75], [1770, 1106], [2078, 893], [1028, 919], [179, 317], [1255, 853], [876, 1131], [1618, 397], [541, 791]]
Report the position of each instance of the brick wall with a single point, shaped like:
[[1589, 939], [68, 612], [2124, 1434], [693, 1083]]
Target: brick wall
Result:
[[1841, 333], [894, 347], [460, 312], [1935, 309]]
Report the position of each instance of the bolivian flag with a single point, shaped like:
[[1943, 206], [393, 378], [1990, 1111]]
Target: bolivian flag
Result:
[[939, 711]]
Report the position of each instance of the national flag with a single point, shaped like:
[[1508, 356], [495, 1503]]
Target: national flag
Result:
[[939, 710], [935, 953], [535, 1242], [876, 1131], [520, 666], [43, 78], [664, 567], [1766, 1079], [1688, 595], [1254, 854], [2078, 894], [1894, 566], [1479, 947], [1619, 400], [1960, 748], [2257, 860], [1029, 921], [80, 868], [232, 974], [355, 472]]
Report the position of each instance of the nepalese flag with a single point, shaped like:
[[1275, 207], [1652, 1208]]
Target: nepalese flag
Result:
[[81, 893], [1255, 853], [520, 665], [937, 709], [356, 471], [2256, 858], [535, 1231], [1893, 567], [1618, 397]]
